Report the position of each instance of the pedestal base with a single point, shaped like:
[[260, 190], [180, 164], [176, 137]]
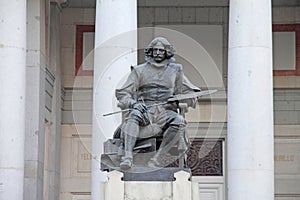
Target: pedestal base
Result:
[[118, 189]]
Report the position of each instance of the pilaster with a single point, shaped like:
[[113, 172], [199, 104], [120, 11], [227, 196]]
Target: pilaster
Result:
[[35, 101]]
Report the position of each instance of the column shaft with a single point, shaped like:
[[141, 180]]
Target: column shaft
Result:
[[250, 101], [12, 100], [113, 17]]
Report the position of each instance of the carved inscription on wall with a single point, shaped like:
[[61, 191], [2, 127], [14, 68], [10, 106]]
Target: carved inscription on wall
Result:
[[287, 157], [82, 157], [205, 158]]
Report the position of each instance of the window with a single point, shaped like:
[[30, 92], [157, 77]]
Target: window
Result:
[[286, 49], [84, 46]]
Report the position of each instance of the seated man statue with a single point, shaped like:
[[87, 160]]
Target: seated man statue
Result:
[[146, 93]]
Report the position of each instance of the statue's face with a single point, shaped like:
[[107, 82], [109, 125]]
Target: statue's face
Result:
[[159, 52]]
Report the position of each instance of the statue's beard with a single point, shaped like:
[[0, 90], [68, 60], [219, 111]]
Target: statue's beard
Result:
[[159, 58], [159, 64]]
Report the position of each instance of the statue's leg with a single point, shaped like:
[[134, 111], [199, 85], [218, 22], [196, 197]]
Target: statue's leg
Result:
[[130, 136], [175, 124], [131, 133]]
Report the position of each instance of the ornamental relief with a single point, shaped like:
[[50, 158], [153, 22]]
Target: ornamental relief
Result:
[[204, 158]]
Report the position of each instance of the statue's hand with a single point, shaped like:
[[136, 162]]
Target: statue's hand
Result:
[[140, 107]]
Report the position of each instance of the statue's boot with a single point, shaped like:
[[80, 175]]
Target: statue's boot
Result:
[[126, 163], [130, 135], [170, 138]]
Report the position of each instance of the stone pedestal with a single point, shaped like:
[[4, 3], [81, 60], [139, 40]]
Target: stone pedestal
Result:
[[178, 189]]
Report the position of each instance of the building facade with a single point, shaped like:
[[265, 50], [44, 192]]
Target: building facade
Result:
[[46, 50]]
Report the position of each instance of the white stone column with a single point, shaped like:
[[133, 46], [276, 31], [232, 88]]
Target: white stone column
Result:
[[250, 101], [12, 97], [113, 18]]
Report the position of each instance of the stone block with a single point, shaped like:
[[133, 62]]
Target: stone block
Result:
[[71, 16], [225, 41], [30, 185], [297, 105], [208, 113], [148, 190], [89, 16], [146, 15], [188, 15], [293, 95], [175, 15], [33, 58], [33, 10], [297, 82], [80, 117], [68, 61], [79, 197], [67, 81], [284, 105], [286, 130], [201, 15], [214, 3], [279, 95], [286, 117], [284, 81], [160, 3], [82, 82], [284, 15], [78, 105], [78, 184], [161, 15], [141, 3], [67, 36], [216, 15], [78, 95], [67, 117], [226, 15], [33, 36], [297, 15], [66, 152], [286, 187]]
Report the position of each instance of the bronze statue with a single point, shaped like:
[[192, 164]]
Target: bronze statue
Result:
[[146, 95]]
